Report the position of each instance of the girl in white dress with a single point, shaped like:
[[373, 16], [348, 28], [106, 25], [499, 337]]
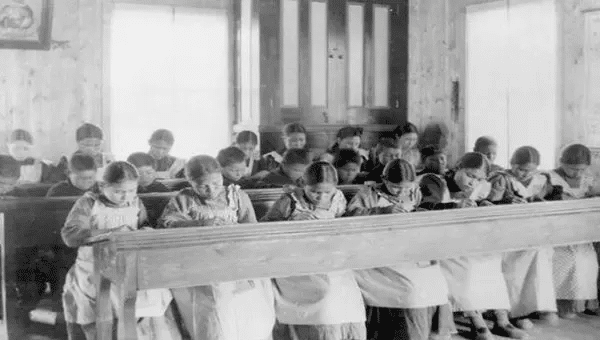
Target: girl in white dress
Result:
[[114, 207], [575, 266], [240, 310], [528, 273], [323, 306], [408, 301]]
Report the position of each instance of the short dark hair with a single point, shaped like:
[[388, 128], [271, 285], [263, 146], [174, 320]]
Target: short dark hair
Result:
[[404, 129], [431, 150], [320, 172], [346, 156], [576, 154], [88, 130], [200, 166], [525, 155], [119, 171], [82, 162], [296, 156], [474, 160], [246, 136], [398, 171], [20, 134], [162, 135], [140, 159], [349, 131], [231, 155], [290, 128], [483, 142], [9, 167]]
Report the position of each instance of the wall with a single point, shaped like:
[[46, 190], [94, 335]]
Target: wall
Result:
[[50, 93]]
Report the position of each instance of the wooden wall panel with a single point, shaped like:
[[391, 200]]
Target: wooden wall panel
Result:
[[50, 93]]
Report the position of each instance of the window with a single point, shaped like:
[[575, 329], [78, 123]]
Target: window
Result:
[[170, 68]]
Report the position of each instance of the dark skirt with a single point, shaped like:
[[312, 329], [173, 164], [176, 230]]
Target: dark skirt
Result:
[[345, 331], [428, 323]]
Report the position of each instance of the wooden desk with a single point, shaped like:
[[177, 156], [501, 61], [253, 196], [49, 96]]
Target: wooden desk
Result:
[[169, 258]]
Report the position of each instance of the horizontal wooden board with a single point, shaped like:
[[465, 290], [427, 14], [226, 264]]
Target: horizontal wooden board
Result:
[[192, 256]]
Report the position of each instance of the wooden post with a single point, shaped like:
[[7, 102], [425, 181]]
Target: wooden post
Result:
[[126, 270]]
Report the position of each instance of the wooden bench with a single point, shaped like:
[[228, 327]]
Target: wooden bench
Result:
[[168, 258]]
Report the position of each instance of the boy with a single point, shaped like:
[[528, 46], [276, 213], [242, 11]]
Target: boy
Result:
[[233, 165], [294, 137], [10, 171], [488, 147], [32, 170], [89, 139], [82, 177], [348, 163], [146, 169], [388, 151], [247, 142], [166, 166], [290, 172]]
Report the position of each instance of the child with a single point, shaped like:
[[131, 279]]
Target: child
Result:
[[247, 142], [348, 137], [32, 170], [82, 177], [10, 171], [347, 163], [476, 283], [388, 151], [528, 273], [114, 207], [407, 136], [161, 141], [294, 137], [575, 266], [488, 146], [323, 306], [290, 171], [373, 162], [226, 310], [89, 142], [233, 164], [409, 298], [146, 169]]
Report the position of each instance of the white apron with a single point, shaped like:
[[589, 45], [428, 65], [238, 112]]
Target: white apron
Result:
[[79, 292], [476, 282], [528, 273], [31, 173], [240, 310], [322, 299], [406, 285], [575, 266]]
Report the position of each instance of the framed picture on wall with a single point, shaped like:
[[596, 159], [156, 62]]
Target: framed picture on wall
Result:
[[25, 24]]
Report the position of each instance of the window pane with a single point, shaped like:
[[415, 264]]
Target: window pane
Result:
[[355, 54], [289, 52], [318, 54], [381, 33], [164, 76]]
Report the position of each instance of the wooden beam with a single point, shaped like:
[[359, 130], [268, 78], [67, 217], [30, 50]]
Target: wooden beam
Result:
[[194, 256]]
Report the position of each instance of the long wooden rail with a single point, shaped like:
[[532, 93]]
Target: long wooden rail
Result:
[[197, 256]]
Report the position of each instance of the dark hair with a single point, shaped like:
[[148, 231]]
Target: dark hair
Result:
[[345, 156], [88, 130], [231, 155], [474, 160], [430, 150], [320, 172], [9, 167], [140, 159], [399, 170], [296, 156], [246, 137], [200, 166], [20, 134], [162, 135], [404, 129], [525, 155], [386, 144], [119, 171], [576, 154], [349, 131], [290, 128], [82, 162], [483, 142]]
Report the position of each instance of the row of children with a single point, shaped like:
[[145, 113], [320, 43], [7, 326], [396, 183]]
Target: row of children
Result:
[[405, 301]]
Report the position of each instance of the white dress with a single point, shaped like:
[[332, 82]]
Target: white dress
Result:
[[528, 273], [575, 266], [476, 282]]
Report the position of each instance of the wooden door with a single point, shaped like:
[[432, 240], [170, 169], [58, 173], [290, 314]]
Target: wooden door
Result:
[[329, 63]]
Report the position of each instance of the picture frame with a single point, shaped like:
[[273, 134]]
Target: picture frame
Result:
[[26, 24]]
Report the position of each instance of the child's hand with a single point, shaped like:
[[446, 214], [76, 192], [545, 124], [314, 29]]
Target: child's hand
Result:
[[306, 216], [398, 209], [518, 200], [215, 222], [467, 203], [123, 228], [486, 203]]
